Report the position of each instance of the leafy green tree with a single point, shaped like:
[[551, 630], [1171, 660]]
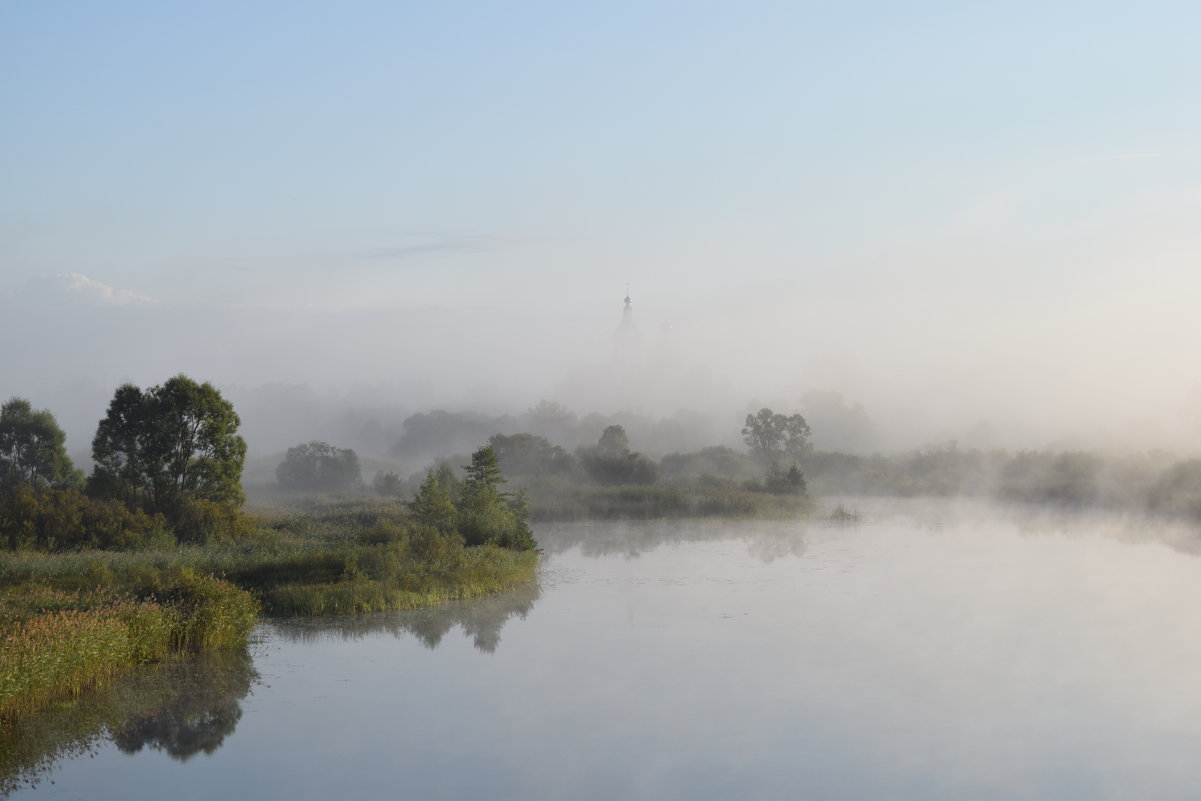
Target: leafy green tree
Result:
[[774, 438], [483, 474], [319, 467], [433, 507], [786, 482], [611, 461], [530, 455], [165, 449], [32, 448], [449, 481], [488, 516], [520, 536], [613, 443]]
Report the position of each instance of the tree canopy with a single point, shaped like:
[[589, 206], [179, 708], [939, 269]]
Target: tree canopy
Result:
[[319, 466], [611, 461], [530, 455], [434, 507], [776, 438], [170, 450], [32, 448]]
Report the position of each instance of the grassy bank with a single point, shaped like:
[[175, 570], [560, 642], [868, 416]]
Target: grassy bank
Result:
[[72, 621], [555, 499], [58, 642]]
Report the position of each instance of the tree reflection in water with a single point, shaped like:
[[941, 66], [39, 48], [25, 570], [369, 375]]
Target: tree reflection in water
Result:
[[481, 620], [183, 707], [203, 711]]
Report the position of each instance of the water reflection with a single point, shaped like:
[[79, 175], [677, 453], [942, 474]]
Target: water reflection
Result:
[[765, 540], [946, 515], [934, 650], [203, 709], [481, 620], [182, 707]]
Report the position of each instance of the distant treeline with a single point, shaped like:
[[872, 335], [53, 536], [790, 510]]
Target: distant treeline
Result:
[[1152, 482], [605, 479], [722, 480]]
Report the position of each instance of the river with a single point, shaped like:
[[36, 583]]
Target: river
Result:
[[930, 650]]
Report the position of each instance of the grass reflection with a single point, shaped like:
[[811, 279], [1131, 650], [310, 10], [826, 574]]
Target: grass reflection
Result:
[[481, 620], [182, 707]]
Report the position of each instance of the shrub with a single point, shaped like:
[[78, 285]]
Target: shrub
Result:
[[66, 519]]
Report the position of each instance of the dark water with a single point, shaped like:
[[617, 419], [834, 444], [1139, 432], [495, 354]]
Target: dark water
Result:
[[931, 651]]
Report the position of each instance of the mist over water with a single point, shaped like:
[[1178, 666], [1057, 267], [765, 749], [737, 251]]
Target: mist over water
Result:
[[866, 378], [933, 650]]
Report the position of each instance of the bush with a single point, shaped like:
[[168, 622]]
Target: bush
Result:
[[388, 483], [202, 522], [66, 519]]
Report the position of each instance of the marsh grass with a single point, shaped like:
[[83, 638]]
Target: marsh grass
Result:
[[56, 643], [72, 621], [709, 496], [479, 571]]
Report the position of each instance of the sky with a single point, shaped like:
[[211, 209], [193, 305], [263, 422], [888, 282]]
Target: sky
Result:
[[966, 217]]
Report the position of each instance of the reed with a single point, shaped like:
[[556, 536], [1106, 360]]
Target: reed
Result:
[[478, 572], [55, 644], [71, 621]]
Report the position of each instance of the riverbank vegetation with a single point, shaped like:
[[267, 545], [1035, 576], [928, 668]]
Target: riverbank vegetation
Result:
[[779, 472], [611, 481], [65, 631], [153, 555]]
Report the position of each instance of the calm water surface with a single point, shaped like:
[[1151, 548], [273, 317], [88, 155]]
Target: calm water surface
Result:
[[941, 650]]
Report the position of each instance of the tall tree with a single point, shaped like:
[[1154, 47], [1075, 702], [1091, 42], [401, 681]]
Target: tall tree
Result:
[[168, 447], [530, 455], [611, 461], [487, 515], [483, 474], [774, 438], [32, 448]]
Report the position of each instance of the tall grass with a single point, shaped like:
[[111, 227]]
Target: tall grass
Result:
[[480, 571], [55, 644], [566, 501], [70, 621]]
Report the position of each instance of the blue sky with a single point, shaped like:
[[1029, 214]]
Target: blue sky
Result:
[[945, 172]]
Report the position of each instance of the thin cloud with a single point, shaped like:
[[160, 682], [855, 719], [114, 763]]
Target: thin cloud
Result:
[[101, 292]]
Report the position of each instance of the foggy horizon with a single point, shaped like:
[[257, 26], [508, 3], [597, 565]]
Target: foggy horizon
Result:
[[965, 243]]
